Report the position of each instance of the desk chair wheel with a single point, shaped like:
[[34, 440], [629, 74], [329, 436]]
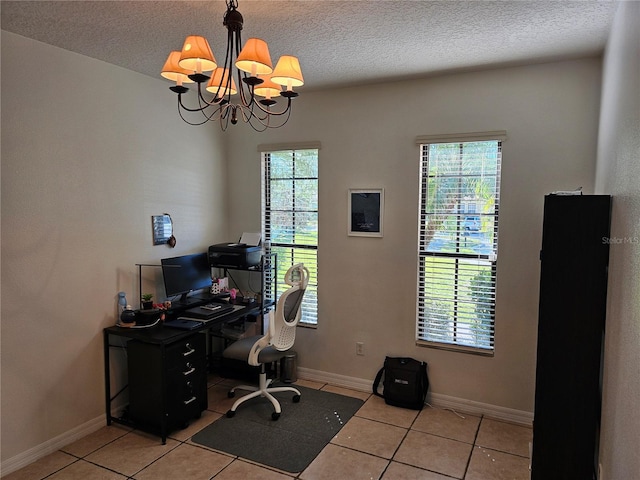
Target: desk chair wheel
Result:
[[275, 416], [296, 399], [231, 394], [230, 413]]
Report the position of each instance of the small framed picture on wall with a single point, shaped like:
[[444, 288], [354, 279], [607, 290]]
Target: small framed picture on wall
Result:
[[162, 226], [366, 212]]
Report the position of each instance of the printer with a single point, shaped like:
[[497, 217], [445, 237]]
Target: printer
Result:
[[234, 255]]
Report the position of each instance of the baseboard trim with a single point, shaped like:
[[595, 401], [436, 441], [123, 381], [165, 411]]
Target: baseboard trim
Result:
[[497, 412], [25, 458], [437, 400], [354, 383]]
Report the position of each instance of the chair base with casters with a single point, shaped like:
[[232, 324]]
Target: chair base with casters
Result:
[[238, 351]]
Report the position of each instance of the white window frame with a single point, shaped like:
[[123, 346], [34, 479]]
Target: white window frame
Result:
[[290, 252], [456, 328]]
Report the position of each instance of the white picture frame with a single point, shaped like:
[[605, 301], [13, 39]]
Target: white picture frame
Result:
[[365, 216]]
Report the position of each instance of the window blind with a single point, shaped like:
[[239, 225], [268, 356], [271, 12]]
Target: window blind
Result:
[[290, 217], [458, 244]]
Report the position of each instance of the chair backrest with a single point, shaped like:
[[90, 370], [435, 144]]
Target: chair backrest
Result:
[[283, 321]]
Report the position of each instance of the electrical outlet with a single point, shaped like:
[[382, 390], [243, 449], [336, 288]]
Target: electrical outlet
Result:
[[359, 348]]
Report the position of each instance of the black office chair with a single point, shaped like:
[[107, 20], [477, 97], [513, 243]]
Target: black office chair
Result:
[[275, 344]]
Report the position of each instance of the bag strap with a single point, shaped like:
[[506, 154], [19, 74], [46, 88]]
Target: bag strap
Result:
[[376, 382]]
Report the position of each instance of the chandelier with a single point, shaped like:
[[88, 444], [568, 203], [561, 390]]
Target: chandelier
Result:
[[254, 75]]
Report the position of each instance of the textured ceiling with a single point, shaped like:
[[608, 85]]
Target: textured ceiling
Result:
[[338, 42]]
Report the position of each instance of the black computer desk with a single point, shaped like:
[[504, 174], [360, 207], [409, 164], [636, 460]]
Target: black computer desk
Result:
[[167, 371]]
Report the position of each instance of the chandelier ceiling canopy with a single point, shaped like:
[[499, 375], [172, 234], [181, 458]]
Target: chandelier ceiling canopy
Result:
[[234, 84]]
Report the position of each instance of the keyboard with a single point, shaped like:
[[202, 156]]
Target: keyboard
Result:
[[209, 311]]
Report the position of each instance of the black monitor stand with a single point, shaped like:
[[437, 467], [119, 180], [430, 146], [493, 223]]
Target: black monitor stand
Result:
[[187, 301], [212, 297]]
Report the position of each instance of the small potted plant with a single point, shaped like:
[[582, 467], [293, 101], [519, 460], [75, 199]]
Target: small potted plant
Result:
[[147, 304]]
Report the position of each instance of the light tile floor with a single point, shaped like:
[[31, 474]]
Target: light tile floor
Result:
[[379, 442]]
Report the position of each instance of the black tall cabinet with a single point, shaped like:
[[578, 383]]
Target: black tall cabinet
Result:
[[573, 291]]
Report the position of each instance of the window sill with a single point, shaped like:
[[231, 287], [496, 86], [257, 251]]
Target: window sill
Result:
[[457, 348], [313, 326]]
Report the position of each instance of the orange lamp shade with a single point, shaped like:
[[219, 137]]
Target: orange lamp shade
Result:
[[196, 55], [254, 58], [219, 83], [267, 88], [287, 72], [173, 71]]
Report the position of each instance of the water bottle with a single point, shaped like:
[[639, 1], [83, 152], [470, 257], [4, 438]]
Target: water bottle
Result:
[[122, 303]]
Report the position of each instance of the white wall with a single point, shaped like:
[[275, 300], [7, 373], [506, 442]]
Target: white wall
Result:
[[89, 152], [367, 285], [618, 173]]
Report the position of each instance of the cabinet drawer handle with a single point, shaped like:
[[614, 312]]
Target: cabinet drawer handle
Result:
[[190, 351], [187, 402], [189, 372]]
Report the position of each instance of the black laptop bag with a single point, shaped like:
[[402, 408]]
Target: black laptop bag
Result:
[[405, 382]]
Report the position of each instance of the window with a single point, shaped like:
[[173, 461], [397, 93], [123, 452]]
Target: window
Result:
[[458, 241], [290, 217]]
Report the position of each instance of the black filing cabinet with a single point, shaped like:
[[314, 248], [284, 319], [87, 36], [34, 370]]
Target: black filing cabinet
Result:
[[571, 326], [167, 383]]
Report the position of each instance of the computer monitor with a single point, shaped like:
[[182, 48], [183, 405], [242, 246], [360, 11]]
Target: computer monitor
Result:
[[186, 274]]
